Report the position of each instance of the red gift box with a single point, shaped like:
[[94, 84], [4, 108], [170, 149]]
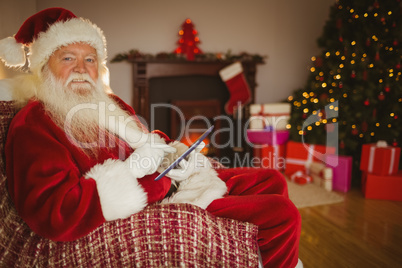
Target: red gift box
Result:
[[380, 159], [341, 171], [382, 187], [299, 156], [269, 156]]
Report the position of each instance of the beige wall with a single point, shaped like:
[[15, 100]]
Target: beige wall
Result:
[[284, 30]]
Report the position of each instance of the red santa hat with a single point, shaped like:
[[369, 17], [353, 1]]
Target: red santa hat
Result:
[[47, 31]]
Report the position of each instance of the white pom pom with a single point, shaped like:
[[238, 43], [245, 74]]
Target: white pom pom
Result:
[[11, 52]]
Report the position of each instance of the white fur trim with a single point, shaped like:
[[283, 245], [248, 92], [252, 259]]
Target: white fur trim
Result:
[[231, 71], [11, 52], [120, 193], [199, 189], [61, 34]]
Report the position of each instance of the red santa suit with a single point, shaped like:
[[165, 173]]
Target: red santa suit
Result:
[[63, 193]]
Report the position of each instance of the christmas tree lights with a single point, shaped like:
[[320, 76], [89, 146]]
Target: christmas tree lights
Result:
[[359, 70]]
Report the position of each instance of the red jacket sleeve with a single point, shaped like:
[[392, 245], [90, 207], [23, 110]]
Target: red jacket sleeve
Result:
[[45, 180]]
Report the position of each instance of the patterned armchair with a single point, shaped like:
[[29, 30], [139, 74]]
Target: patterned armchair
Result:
[[170, 235]]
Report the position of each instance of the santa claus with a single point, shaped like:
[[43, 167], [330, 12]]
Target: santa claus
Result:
[[77, 156]]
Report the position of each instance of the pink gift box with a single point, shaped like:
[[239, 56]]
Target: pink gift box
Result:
[[341, 171], [380, 159], [266, 136]]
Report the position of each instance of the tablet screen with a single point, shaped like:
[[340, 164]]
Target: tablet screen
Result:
[[186, 153]]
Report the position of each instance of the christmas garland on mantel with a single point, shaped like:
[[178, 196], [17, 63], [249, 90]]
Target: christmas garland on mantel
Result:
[[135, 54]]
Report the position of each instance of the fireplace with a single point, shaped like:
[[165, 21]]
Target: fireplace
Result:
[[159, 84]]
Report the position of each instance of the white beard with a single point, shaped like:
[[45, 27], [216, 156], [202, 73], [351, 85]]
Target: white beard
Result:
[[86, 113]]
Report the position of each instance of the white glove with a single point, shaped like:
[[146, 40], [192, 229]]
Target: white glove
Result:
[[146, 159], [194, 163]]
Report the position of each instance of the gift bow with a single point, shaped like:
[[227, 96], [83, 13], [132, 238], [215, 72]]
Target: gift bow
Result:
[[300, 177]]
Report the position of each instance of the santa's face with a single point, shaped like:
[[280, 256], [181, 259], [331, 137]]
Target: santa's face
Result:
[[76, 66]]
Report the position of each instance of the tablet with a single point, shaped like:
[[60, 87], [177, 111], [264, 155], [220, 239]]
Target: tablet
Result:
[[186, 153]]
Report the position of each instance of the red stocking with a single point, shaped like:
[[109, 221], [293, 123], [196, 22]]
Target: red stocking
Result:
[[237, 85]]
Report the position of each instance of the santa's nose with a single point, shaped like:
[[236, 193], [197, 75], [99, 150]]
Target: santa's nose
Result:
[[80, 67]]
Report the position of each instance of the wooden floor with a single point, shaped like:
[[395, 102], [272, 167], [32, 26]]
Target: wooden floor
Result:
[[356, 233]]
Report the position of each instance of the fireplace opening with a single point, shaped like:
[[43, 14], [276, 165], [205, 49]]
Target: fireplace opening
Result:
[[188, 104]]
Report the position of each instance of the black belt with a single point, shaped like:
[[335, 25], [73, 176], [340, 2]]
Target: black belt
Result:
[[173, 188]]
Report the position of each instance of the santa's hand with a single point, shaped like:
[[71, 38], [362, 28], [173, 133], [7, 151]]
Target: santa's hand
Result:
[[186, 168], [146, 159]]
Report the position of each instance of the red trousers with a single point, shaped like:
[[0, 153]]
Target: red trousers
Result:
[[260, 196]]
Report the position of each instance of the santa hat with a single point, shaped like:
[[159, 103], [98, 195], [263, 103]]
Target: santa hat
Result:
[[47, 31]]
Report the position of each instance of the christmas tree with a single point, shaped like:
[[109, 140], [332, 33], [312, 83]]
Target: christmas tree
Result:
[[354, 88], [188, 41]]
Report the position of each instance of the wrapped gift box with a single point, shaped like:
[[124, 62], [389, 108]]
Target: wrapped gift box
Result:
[[267, 136], [382, 187], [269, 156], [380, 159], [341, 171], [299, 155], [321, 174], [270, 114]]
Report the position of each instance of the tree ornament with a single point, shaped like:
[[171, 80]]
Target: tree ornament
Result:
[[340, 39], [353, 74], [368, 42], [318, 62], [340, 85], [387, 88], [366, 102], [377, 56], [342, 144], [364, 126], [355, 131], [188, 41], [365, 75], [398, 66], [323, 97], [395, 143], [381, 97], [339, 23]]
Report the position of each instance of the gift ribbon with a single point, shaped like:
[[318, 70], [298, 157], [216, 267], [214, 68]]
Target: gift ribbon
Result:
[[371, 160]]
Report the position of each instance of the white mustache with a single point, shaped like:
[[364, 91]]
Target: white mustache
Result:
[[76, 77]]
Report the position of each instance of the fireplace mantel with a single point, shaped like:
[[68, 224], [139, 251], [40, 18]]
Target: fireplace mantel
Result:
[[143, 70]]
